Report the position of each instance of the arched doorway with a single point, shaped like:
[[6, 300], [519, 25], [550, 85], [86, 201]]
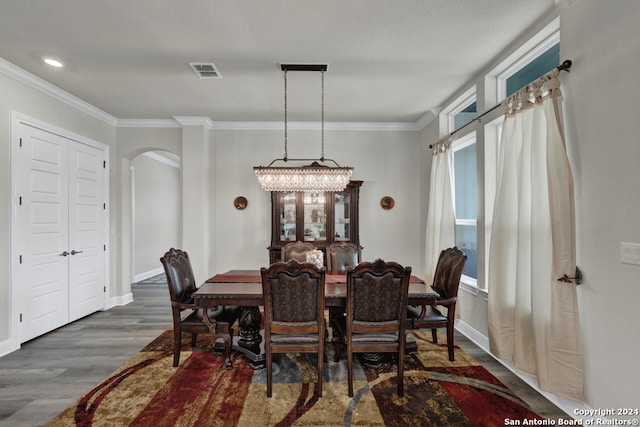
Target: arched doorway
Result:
[[156, 213]]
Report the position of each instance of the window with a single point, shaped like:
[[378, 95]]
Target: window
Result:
[[464, 182], [541, 59], [465, 116], [540, 66], [466, 205], [538, 60], [464, 110]]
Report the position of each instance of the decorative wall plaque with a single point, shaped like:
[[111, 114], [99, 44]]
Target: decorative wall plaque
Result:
[[240, 202], [387, 203]]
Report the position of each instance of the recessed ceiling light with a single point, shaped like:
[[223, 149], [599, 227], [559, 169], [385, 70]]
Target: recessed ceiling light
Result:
[[52, 62]]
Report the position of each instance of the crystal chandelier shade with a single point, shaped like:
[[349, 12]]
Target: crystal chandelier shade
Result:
[[314, 177]]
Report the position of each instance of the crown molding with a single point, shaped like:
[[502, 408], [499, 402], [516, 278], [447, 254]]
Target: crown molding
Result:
[[55, 92], [181, 121], [335, 126], [148, 123], [428, 117], [248, 125], [371, 126]]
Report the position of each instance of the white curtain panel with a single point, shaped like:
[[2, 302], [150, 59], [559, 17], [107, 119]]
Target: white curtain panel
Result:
[[533, 316], [441, 220]]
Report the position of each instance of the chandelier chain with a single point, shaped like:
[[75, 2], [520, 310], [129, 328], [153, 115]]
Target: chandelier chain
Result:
[[285, 115], [322, 113]]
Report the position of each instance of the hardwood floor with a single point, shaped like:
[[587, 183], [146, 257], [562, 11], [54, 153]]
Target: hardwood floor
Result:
[[51, 372]]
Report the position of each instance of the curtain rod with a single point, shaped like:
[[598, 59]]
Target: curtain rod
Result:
[[565, 66]]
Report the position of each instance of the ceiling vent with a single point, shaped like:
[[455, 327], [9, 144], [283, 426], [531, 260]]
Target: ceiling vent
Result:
[[206, 70]]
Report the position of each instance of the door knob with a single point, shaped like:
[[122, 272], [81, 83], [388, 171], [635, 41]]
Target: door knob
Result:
[[73, 252], [65, 253]]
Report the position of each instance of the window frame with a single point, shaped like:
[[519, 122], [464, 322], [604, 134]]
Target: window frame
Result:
[[466, 141]]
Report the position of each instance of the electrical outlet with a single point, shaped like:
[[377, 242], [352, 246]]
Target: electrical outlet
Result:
[[630, 253]]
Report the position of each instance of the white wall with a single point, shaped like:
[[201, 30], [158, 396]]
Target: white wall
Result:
[[388, 162], [601, 98], [157, 212]]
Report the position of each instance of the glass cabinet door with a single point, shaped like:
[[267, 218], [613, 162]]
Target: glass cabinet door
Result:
[[315, 216], [342, 218], [288, 217], [319, 218]]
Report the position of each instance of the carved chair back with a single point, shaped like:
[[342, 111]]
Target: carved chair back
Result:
[[296, 250], [179, 275], [446, 279], [342, 255]]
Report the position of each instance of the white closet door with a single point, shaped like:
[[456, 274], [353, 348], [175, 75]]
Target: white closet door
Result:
[[43, 239], [61, 225], [87, 224]]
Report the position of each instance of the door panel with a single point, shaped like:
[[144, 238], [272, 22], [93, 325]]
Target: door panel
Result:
[[42, 224], [86, 230]]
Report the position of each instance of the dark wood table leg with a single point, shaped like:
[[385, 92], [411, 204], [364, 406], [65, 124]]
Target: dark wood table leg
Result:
[[336, 321], [249, 338], [249, 325]]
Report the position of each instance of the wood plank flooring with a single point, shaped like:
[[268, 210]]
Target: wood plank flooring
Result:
[[51, 372]]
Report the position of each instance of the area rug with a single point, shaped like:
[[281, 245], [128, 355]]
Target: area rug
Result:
[[149, 391]]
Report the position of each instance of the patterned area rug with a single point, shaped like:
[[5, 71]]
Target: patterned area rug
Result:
[[148, 391]]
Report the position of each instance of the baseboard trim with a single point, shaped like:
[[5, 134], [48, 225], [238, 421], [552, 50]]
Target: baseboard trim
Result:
[[570, 407], [142, 276], [8, 346], [118, 301]]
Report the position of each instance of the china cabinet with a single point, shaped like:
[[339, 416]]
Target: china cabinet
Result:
[[319, 218]]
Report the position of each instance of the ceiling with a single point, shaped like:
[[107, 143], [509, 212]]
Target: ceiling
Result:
[[388, 60]]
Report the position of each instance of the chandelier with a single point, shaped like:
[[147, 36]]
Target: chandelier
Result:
[[313, 177]]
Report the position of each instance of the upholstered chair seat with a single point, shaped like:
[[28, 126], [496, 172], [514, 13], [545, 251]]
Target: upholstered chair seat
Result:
[[432, 314]]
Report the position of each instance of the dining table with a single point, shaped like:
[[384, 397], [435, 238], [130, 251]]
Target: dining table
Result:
[[243, 288]]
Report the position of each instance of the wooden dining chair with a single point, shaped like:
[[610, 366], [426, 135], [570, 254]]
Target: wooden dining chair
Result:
[[340, 256], [293, 312], [446, 281], [376, 313], [182, 285], [296, 250]]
